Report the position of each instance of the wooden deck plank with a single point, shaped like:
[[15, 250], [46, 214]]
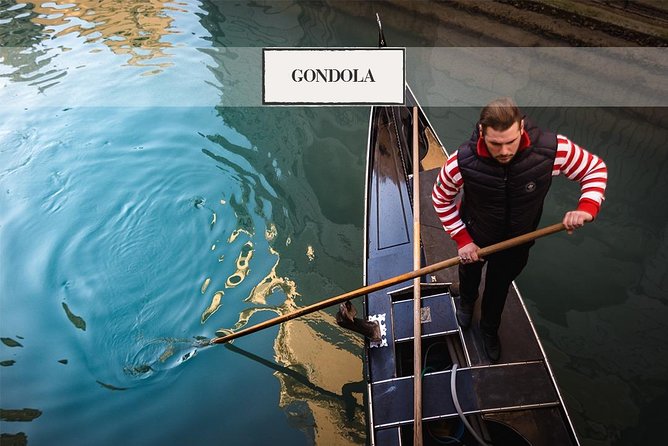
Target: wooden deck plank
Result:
[[440, 309], [541, 427], [478, 389]]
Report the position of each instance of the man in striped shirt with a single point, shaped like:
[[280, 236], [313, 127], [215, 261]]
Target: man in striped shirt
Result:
[[502, 175]]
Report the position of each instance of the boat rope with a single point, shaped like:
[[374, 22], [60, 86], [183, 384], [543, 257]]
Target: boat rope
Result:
[[455, 400]]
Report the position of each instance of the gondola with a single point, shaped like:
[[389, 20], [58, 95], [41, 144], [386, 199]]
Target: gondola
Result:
[[515, 401]]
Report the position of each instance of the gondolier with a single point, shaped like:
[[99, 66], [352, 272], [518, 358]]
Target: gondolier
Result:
[[503, 174]]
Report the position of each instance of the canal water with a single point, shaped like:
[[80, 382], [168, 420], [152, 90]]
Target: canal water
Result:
[[148, 202]]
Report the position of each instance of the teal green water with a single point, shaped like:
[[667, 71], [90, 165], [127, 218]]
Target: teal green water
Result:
[[131, 172]]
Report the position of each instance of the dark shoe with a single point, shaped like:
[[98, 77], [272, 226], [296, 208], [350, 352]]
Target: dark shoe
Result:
[[492, 345], [464, 314]]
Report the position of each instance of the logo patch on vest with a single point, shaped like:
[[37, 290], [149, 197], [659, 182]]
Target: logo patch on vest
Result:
[[530, 187]]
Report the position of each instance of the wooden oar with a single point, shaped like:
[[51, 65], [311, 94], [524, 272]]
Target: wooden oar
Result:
[[443, 264], [417, 296]]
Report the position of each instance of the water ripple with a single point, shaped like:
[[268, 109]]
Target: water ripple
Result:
[[122, 236]]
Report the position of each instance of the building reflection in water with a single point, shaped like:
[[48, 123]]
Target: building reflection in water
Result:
[[320, 376], [130, 28], [318, 365], [134, 29]]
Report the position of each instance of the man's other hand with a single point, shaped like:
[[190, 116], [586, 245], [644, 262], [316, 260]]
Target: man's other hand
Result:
[[575, 219]]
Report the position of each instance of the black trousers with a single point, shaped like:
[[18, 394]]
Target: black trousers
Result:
[[502, 268]]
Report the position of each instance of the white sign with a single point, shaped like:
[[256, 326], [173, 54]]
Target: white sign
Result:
[[352, 76]]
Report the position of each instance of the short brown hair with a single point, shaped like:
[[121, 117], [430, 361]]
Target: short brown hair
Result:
[[500, 114]]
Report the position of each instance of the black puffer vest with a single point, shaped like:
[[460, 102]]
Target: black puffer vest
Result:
[[502, 201]]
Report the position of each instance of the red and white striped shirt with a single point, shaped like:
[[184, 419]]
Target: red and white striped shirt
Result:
[[573, 161]]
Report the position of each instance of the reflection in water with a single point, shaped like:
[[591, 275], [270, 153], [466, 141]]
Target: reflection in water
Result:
[[242, 266], [324, 401], [271, 284], [9, 342], [213, 307], [17, 32], [77, 321], [244, 219], [133, 28], [19, 414], [262, 24], [310, 253], [110, 386], [236, 233], [121, 257], [301, 344], [274, 23], [299, 385], [205, 285]]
